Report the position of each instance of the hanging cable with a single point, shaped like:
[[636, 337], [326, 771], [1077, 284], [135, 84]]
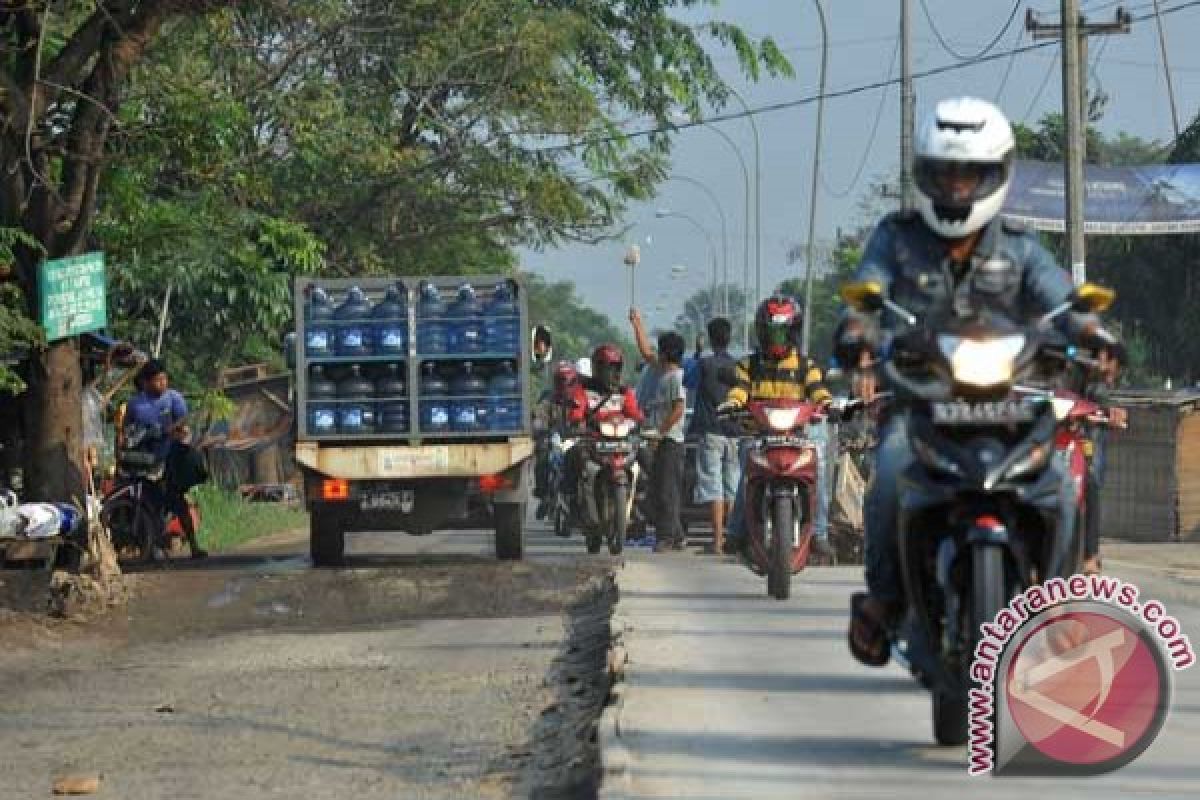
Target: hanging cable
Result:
[[1012, 59], [990, 46], [862, 164]]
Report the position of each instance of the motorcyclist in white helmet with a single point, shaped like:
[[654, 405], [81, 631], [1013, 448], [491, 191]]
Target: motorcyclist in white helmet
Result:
[[954, 253]]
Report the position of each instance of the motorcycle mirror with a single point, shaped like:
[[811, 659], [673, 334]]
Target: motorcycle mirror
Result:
[[863, 295], [289, 350], [541, 345], [1092, 298]]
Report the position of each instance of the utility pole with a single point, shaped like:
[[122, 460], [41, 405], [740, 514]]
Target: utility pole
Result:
[[1073, 29], [908, 103]]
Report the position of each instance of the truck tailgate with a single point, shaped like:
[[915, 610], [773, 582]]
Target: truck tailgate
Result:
[[376, 462]]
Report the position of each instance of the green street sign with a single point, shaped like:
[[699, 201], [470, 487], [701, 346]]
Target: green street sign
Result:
[[73, 295]]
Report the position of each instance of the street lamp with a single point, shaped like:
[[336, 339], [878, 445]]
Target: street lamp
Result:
[[812, 202], [737, 152], [724, 238], [663, 213], [757, 193]]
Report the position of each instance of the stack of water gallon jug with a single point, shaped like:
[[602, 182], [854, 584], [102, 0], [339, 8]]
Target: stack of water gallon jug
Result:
[[357, 353]]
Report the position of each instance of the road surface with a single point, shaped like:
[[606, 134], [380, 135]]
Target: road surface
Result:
[[729, 694], [425, 670]]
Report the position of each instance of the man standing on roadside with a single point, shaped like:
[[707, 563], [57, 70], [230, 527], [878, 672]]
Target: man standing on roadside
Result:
[[666, 413], [717, 465]]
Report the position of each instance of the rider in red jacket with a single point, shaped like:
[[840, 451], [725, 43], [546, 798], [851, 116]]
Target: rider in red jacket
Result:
[[602, 393]]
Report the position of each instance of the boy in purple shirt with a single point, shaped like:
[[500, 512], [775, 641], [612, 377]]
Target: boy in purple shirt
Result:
[[156, 403]]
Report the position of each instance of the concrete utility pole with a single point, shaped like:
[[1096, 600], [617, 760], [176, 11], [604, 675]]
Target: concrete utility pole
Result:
[[816, 168], [1073, 30], [908, 102], [1162, 48]]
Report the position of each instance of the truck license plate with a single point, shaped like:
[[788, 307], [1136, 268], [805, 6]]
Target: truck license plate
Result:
[[401, 500], [404, 462]]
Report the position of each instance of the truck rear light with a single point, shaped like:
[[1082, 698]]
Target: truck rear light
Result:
[[335, 489], [494, 483]]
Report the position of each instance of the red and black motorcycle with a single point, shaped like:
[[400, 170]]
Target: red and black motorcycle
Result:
[[606, 483], [781, 489]]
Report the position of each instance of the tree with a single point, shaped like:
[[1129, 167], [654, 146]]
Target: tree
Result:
[[704, 305], [228, 151], [63, 73]]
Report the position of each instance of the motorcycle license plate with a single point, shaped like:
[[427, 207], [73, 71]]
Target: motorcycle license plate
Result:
[[611, 447], [1000, 412], [392, 500]]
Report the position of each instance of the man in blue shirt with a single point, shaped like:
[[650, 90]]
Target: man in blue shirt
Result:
[[156, 404]]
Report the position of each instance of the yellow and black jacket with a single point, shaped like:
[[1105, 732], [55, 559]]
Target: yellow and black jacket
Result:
[[759, 378]]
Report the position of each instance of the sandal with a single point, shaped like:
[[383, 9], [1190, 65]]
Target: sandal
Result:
[[867, 635]]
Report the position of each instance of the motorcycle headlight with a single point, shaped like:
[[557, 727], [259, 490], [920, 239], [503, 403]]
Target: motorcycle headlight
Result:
[[616, 429], [782, 419], [982, 363]]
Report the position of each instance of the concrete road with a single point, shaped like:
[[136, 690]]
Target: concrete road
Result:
[[730, 694], [424, 670]]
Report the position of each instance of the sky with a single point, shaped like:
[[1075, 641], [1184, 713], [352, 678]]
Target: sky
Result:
[[862, 36]]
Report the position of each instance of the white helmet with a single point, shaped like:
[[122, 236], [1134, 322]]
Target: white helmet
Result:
[[584, 367], [969, 140]]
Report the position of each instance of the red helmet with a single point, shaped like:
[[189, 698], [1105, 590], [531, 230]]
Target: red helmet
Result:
[[565, 377], [607, 364], [775, 325]]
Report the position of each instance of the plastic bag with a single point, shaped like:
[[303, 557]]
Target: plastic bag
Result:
[[42, 520], [12, 524], [849, 495]]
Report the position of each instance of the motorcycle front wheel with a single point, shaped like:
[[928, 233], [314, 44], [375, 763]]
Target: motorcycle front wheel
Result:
[[987, 596], [618, 519], [779, 572]]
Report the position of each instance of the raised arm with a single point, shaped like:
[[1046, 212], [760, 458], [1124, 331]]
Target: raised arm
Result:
[[643, 343]]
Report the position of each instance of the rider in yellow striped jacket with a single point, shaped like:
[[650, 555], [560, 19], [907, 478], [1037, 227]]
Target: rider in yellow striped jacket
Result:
[[774, 372]]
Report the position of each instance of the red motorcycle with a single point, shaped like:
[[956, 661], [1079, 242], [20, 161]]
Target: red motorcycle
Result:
[[781, 490]]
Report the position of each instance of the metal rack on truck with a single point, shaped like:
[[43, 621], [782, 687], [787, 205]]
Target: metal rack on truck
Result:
[[413, 407]]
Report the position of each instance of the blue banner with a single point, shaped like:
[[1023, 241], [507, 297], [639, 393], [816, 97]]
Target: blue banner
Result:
[[1160, 199]]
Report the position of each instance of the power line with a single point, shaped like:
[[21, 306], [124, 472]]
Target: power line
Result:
[[862, 165], [961, 57], [1012, 59], [1041, 89], [786, 105]]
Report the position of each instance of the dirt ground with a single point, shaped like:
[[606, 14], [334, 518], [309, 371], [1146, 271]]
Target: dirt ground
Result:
[[431, 671]]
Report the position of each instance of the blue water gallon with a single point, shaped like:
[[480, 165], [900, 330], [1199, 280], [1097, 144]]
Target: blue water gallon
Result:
[[433, 336], [434, 401], [502, 322], [504, 399], [468, 407], [466, 322], [353, 328], [356, 412], [391, 323], [319, 392], [391, 394], [318, 334]]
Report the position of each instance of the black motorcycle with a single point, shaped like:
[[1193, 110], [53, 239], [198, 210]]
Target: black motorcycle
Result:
[[133, 511], [985, 511]]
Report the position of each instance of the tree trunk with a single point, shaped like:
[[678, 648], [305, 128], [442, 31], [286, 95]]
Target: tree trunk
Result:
[[54, 439]]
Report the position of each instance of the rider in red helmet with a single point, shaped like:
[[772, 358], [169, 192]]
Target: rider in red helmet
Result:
[[556, 406], [604, 391]]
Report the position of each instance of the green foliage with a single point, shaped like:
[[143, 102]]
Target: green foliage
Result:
[[18, 333], [226, 520], [431, 137]]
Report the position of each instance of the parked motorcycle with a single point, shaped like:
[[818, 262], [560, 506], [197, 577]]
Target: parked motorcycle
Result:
[[781, 489], [987, 510], [604, 498], [132, 511]]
